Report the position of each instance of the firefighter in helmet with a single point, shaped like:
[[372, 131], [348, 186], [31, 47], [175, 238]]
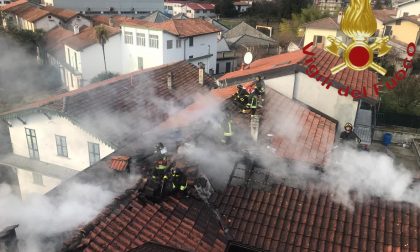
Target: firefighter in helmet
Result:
[[179, 181], [348, 134], [241, 96], [161, 163]]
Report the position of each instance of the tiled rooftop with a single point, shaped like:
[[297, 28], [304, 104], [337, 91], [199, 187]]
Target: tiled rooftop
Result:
[[313, 134], [385, 15], [32, 14], [282, 218], [291, 219], [13, 5], [130, 222], [329, 23], [55, 40], [64, 14], [324, 62], [200, 6], [178, 27], [119, 163], [87, 37], [125, 98]]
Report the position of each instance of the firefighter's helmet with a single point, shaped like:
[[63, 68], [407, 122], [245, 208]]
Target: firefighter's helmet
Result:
[[348, 125]]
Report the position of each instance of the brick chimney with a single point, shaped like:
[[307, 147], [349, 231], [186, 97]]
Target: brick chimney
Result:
[[170, 80], [201, 75], [8, 239], [255, 126]]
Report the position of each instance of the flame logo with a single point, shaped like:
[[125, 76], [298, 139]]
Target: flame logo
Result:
[[358, 21]]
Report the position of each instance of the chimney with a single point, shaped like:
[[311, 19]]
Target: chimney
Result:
[[201, 75], [65, 101], [255, 125], [8, 239], [339, 17], [170, 79], [76, 29]]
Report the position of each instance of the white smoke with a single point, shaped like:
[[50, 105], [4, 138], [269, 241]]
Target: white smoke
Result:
[[40, 217]]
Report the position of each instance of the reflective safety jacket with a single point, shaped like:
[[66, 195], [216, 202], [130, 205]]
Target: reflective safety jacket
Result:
[[252, 102], [228, 128], [179, 181]]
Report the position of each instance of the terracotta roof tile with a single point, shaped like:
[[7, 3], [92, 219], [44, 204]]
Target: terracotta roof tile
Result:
[[63, 14], [33, 14], [87, 37], [178, 27], [329, 23], [324, 62], [119, 96], [200, 6], [13, 5], [119, 163]]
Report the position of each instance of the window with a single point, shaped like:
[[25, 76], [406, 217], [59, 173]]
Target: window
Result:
[[61, 143], [190, 57], [405, 14], [75, 61], [178, 43], [388, 30], [318, 39], [141, 39], [169, 44], [140, 63], [154, 41], [128, 38], [68, 54], [32, 143], [398, 22], [191, 41], [37, 178], [188, 11], [94, 155]]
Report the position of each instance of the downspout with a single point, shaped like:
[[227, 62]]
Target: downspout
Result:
[[294, 86], [185, 47]]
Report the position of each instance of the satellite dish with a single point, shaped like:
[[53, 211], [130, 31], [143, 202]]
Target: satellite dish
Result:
[[248, 58]]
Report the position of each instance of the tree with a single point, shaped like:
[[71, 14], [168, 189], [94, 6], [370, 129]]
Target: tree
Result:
[[408, 93], [103, 76], [226, 8], [102, 36]]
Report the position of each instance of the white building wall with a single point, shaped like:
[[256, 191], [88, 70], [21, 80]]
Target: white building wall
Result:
[[309, 91], [412, 9], [284, 85], [203, 45], [28, 187], [105, 5], [92, 62], [47, 23], [131, 52], [45, 129]]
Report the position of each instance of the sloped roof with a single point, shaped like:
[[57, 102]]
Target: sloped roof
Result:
[[55, 40], [156, 17], [122, 101], [87, 37], [222, 46], [311, 143], [324, 62], [178, 27], [217, 24], [106, 20], [385, 15], [33, 14], [200, 6], [243, 29], [180, 16], [324, 23], [413, 19], [407, 2], [13, 5], [290, 219], [130, 222], [64, 14]]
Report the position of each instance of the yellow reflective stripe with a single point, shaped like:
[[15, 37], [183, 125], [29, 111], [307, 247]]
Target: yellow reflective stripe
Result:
[[229, 133], [161, 167], [182, 188]]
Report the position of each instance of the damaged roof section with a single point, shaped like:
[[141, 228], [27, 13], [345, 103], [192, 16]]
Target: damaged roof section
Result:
[[141, 98], [129, 222]]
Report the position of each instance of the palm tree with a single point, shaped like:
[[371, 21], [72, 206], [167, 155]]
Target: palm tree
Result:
[[102, 35]]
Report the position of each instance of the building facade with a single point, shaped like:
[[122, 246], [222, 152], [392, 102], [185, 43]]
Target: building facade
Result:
[[190, 9], [108, 6], [145, 45]]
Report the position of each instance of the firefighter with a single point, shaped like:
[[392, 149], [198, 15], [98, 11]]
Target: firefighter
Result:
[[227, 129], [252, 104], [259, 86], [161, 163], [179, 181], [240, 97], [348, 134]]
